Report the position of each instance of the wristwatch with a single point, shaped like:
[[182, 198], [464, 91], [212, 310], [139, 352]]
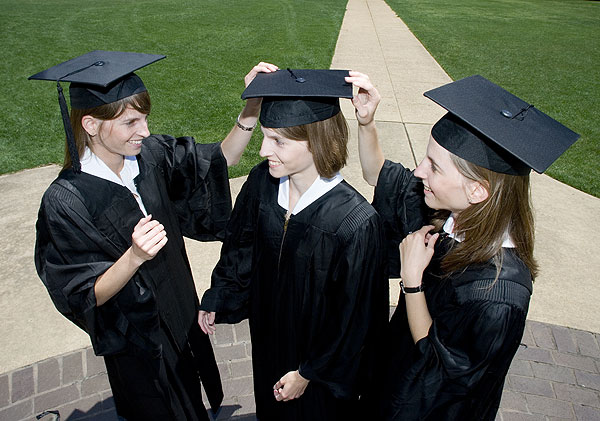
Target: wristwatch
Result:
[[410, 290]]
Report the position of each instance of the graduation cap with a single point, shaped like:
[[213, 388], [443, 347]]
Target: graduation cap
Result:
[[299, 96], [97, 78], [490, 127]]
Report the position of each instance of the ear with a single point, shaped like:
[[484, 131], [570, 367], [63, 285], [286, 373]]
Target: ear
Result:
[[90, 125], [477, 192]]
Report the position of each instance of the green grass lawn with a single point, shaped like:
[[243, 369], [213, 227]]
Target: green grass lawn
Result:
[[210, 45], [545, 51]]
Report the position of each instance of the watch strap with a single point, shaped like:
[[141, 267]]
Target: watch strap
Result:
[[411, 290]]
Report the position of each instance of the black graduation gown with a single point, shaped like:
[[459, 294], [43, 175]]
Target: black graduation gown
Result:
[[154, 350], [457, 371], [316, 294]]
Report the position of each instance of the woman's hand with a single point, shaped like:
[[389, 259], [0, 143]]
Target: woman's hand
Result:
[[261, 67], [149, 236], [253, 104], [416, 251], [146, 241], [206, 320], [291, 386], [366, 100]]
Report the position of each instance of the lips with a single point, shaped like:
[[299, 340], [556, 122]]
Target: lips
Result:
[[274, 164], [135, 142], [427, 189]]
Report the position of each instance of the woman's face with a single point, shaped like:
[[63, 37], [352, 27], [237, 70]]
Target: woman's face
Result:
[[445, 187], [286, 157], [121, 136]]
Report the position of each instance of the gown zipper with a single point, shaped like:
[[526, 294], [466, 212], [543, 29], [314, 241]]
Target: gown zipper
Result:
[[285, 225]]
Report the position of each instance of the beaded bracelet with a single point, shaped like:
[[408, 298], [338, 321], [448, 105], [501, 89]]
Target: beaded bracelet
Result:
[[241, 126]]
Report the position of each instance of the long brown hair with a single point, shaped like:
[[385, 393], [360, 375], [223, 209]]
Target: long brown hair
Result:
[[485, 225], [327, 141], [140, 102]]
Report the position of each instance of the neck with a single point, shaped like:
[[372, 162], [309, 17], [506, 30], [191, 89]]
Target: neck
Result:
[[114, 162], [299, 183], [116, 166]]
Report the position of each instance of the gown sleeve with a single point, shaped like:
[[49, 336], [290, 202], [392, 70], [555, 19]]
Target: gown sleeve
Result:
[[70, 254], [465, 342], [399, 200], [347, 321], [197, 183], [230, 281]]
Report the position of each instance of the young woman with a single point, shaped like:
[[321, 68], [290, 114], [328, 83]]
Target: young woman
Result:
[[467, 266], [110, 232], [302, 257]]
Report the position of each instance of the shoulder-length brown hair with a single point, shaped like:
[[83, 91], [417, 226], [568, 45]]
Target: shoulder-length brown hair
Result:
[[485, 225], [140, 102], [327, 141]]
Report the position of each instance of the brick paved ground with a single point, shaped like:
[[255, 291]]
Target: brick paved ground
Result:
[[555, 375]]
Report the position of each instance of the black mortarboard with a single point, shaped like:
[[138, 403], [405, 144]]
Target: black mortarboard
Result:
[[300, 96], [97, 78], [490, 127]]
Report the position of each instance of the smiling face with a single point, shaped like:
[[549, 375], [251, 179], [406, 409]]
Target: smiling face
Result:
[[445, 187], [120, 137], [287, 157]]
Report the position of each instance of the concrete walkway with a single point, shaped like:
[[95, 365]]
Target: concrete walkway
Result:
[[46, 362]]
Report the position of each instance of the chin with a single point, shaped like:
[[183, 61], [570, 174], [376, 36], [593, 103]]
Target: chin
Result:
[[429, 203], [275, 173]]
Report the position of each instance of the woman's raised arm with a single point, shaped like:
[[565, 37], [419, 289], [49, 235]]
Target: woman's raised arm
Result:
[[366, 102], [236, 141]]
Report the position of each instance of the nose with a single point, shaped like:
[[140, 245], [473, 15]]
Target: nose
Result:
[[265, 150], [144, 131], [420, 171]]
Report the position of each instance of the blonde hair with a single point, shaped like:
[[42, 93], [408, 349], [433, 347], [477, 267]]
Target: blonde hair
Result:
[[327, 141], [485, 225], [140, 102]]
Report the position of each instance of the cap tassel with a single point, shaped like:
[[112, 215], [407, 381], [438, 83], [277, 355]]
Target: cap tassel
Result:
[[64, 111], [521, 114], [298, 79]]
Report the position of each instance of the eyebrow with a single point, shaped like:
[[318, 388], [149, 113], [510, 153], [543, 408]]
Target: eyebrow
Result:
[[130, 119], [271, 133], [435, 164]]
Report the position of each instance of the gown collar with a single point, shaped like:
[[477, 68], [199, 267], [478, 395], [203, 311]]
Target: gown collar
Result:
[[93, 165], [317, 189], [449, 229]]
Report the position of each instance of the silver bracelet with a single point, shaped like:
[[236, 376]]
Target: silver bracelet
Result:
[[241, 126]]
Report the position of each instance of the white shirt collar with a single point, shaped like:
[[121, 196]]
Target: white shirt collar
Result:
[[93, 165], [449, 229], [317, 189]]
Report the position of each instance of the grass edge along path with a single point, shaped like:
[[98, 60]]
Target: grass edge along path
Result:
[[195, 91], [544, 51]]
